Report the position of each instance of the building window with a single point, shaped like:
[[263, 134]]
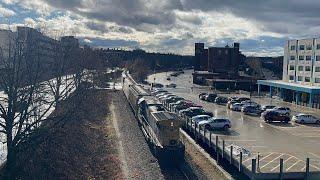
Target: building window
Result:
[[300, 78], [293, 48], [317, 69], [307, 79], [308, 58], [301, 58], [301, 47], [292, 58], [219, 51], [226, 52], [318, 46], [309, 47], [317, 58], [300, 68], [317, 80], [291, 68], [307, 68], [291, 78]]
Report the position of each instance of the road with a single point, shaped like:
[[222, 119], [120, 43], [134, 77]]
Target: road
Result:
[[292, 142]]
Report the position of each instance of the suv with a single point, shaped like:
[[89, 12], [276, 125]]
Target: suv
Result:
[[271, 116], [282, 110], [216, 123]]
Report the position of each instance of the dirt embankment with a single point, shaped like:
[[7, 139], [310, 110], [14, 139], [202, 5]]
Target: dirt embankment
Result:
[[84, 147]]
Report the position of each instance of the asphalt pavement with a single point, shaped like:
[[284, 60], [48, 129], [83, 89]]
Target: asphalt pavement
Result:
[[291, 142]]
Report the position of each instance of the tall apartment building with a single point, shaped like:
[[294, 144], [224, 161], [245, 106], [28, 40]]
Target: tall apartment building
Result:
[[302, 62]]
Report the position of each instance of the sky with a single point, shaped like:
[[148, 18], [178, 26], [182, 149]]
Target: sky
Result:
[[170, 26]]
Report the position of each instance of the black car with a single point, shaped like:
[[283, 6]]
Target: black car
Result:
[[221, 100], [271, 116], [191, 112], [210, 97]]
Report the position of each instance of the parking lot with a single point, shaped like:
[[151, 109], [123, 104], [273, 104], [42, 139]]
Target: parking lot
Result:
[[292, 142]]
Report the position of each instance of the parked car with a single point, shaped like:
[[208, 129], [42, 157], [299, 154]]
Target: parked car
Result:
[[162, 94], [172, 85], [215, 123], [196, 119], [221, 100], [236, 107], [194, 111], [251, 110], [241, 99], [184, 106], [271, 116], [282, 110], [267, 107], [166, 96], [202, 96], [156, 85], [210, 97], [250, 103], [172, 100], [172, 106], [229, 103], [305, 119], [158, 91]]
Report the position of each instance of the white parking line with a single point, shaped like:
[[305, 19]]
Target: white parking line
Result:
[[283, 163], [293, 165], [315, 155], [271, 161], [266, 156]]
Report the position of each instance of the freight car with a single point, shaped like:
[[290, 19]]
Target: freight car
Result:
[[160, 127]]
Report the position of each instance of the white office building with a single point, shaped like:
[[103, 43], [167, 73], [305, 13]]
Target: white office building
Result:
[[301, 74], [302, 62]]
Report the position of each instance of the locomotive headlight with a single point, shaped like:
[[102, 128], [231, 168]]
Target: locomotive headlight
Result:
[[171, 124]]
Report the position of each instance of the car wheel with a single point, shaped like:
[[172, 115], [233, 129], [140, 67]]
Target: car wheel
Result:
[[207, 126], [302, 122], [226, 127], [318, 122]]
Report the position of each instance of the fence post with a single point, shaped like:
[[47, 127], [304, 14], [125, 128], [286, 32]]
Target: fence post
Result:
[[217, 141], [258, 162], [231, 154], [253, 166], [210, 143], [240, 162], [281, 169], [223, 147], [307, 169]]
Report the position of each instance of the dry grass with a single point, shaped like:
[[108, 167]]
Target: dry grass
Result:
[[83, 148]]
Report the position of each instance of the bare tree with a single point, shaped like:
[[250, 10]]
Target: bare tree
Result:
[[26, 101]]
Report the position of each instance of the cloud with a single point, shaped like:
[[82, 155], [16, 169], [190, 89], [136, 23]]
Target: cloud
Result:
[[4, 12], [174, 25]]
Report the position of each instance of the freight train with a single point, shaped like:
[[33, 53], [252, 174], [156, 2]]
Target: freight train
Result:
[[160, 127]]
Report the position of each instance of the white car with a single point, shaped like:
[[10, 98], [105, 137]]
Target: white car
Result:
[[305, 119], [236, 107], [216, 123], [196, 119], [282, 110]]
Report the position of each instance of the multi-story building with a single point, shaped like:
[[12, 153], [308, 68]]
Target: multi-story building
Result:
[[217, 59], [301, 73]]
